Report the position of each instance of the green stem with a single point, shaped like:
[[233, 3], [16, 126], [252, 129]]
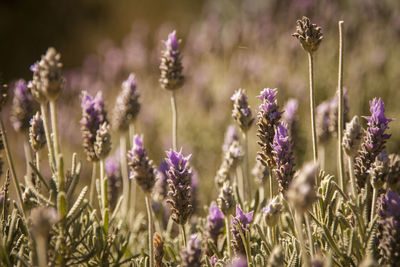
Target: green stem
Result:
[[43, 109], [312, 106], [340, 106], [12, 167], [240, 182], [182, 226], [246, 166], [37, 159], [352, 178], [298, 225], [246, 246], [92, 182], [150, 224], [271, 184], [309, 232], [174, 122], [41, 250], [104, 197], [124, 173], [228, 236], [56, 141], [373, 203]]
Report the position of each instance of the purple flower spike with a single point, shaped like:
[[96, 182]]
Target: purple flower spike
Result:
[[191, 254], [241, 111], [374, 141], [231, 135], [171, 65], [93, 115], [213, 260], [22, 108], [283, 156], [270, 105], [388, 234], [240, 224], [291, 120], [172, 43], [130, 83], [138, 145], [215, 222], [180, 190], [161, 184]]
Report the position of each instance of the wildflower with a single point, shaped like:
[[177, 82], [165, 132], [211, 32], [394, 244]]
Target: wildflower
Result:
[[93, 115], [268, 117], [142, 168], [158, 250], [272, 211], [239, 262], [276, 258], [374, 141], [226, 201], [47, 81], [241, 111], [322, 122], [240, 226], [260, 173], [388, 233], [301, 191], [127, 105], [114, 178], [352, 137], [283, 157], [22, 108], [161, 185], [215, 222], [171, 66], [309, 35], [191, 254], [230, 136], [379, 170], [37, 136], [291, 120], [232, 158], [180, 191], [102, 145]]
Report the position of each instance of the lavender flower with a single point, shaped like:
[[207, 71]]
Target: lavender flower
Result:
[[272, 211], [127, 105], [291, 120], [322, 122], [37, 136], [283, 157], [232, 158], [194, 185], [230, 136], [191, 254], [102, 146], [309, 35], [379, 170], [142, 168], [268, 118], [301, 193], [215, 222], [161, 186], [180, 191], [260, 173], [352, 137], [241, 111], [240, 225], [22, 108], [171, 66], [114, 178], [93, 115], [226, 201], [47, 81], [388, 234], [374, 141]]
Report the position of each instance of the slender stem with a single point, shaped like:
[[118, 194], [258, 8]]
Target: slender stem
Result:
[[124, 172], [182, 226], [322, 153], [352, 178], [373, 203], [102, 189], [340, 106], [43, 109], [150, 224], [312, 105], [12, 167], [309, 232], [174, 122], [228, 236], [246, 166], [240, 182], [246, 246], [271, 184], [41, 250], [28, 158], [56, 141], [92, 182], [298, 224], [37, 159]]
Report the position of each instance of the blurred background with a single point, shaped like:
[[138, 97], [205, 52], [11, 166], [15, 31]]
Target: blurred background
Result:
[[226, 45]]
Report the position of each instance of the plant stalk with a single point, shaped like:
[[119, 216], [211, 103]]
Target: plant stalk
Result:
[[92, 182], [50, 147], [246, 167], [56, 140], [352, 178], [150, 224], [271, 184], [373, 203], [298, 225], [312, 105], [124, 173], [174, 122], [228, 236], [309, 232], [182, 226], [340, 107], [133, 185]]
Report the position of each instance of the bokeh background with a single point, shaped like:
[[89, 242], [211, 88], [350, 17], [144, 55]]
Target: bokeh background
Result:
[[226, 44]]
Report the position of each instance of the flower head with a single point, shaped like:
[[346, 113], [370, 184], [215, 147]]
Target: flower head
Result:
[[272, 211], [231, 135], [215, 222], [352, 137], [226, 201], [309, 35], [240, 226], [241, 111], [114, 177], [22, 108], [191, 254], [37, 135], [291, 120]]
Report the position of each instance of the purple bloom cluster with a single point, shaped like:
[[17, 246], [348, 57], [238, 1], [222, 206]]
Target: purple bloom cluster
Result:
[[161, 186], [290, 118], [388, 234], [283, 157], [241, 111], [215, 222], [114, 177], [191, 254], [22, 108], [374, 140], [240, 224], [179, 181], [93, 116], [268, 117]]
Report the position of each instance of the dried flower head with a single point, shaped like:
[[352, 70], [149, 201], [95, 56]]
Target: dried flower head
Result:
[[226, 201], [268, 117], [142, 168], [240, 226], [241, 111], [283, 157], [37, 136], [374, 141], [127, 105], [93, 115], [388, 233], [102, 146], [47, 82], [215, 222], [309, 35], [191, 254], [22, 108], [352, 137], [272, 211], [171, 65], [301, 193], [180, 191]]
